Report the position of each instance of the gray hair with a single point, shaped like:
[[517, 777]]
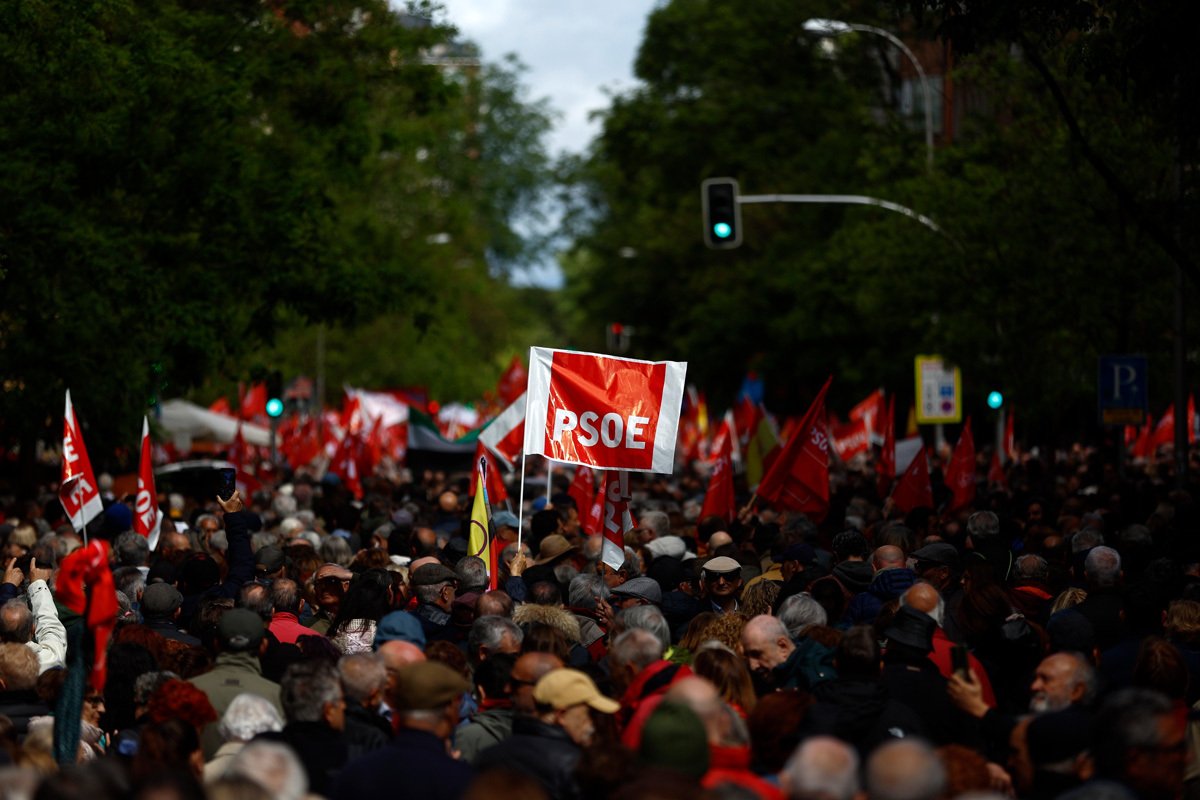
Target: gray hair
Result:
[[248, 716], [823, 767], [362, 675], [488, 631], [336, 550], [263, 539], [429, 593], [657, 521], [219, 541], [636, 646], [16, 622], [905, 769], [257, 598], [565, 573], [472, 574], [148, 683], [799, 611], [129, 580], [284, 505], [133, 550], [273, 766], [1102, 566], [586, 590], [1031, 567], [1086, 539], [305, 689], [983, 525], [630, 568], [647, 618], [285, 595]]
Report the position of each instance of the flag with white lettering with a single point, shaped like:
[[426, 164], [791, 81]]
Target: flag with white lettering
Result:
[[603, 412], [616, 520], [78, 492], [147, 516]]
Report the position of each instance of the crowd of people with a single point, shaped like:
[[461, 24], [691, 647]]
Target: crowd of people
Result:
[[1042, 643]]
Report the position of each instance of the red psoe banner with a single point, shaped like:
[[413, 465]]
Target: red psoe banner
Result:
[[147, 516], [78, 491], [603, 412]]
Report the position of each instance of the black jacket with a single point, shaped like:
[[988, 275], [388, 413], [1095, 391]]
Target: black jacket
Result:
[[366, 731], [414, 766], [862, 713], [542, 751], [320, 748]]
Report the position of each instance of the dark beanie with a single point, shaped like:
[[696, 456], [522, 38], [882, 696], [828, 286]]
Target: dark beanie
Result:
[[674, 738]]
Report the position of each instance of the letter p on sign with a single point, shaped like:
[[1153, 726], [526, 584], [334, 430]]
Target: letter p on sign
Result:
[[603, 412]]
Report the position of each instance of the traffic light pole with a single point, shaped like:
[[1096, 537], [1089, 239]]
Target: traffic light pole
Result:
[[844, 199]]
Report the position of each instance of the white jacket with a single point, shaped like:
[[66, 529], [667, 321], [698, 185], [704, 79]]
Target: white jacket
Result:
[[49, 635]]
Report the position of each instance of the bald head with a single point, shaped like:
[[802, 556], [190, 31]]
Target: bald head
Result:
[[397, 654], [888, 557], [719, 539], [526, 672], [924, 598], [420, 562], [702, 697]]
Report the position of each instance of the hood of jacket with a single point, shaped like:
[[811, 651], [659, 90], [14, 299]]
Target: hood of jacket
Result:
[[855, 575], [558, 618]]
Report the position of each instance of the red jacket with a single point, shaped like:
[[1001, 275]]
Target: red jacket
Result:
[[730, 764], [942, 645], [643, 695]]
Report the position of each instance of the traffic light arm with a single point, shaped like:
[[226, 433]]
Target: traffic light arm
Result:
[[847, 199]]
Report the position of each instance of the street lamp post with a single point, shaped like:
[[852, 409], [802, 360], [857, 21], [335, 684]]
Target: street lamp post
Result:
[[834, 27]]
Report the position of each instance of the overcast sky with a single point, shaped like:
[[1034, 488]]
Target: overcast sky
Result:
[[574, 49]]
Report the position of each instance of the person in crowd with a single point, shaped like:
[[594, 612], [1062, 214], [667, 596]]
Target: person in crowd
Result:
[[315, 709], [248, 715], [364, 680], [36, 624]]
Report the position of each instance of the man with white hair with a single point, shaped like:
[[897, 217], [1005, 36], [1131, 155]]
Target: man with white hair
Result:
[[273, 766], [1104, 606], [777, 662], [905, 769], [822, 768]]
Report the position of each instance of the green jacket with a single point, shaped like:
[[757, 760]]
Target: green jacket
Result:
[[234, 674]]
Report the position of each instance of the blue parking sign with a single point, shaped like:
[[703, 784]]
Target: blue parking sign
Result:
[[1123, 390]]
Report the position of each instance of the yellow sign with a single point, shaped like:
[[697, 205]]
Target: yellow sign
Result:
[[939, 391]]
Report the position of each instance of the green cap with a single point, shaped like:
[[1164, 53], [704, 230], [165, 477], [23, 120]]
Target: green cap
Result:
[[427, 685]]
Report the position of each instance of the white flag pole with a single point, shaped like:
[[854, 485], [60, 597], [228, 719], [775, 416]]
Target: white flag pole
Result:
[[521, 505], [549, 480]]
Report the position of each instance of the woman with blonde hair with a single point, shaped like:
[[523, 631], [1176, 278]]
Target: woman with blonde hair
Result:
[[727, 671]]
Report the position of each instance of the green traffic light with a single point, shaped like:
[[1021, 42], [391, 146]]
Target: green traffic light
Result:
[[274, 407], [995, 400], [722, 230]]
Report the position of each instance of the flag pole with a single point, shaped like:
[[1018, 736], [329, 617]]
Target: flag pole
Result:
[[549, 480], [749, 504], [521, 505]]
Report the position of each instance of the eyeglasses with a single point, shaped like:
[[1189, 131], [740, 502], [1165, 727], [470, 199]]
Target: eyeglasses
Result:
[[717, 577], [94, 701]]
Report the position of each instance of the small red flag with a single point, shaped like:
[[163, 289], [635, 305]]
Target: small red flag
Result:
[[345, 464], [960, 473], [719, 499], [512, 382], [885, 471], [77, 491], [798, 479], [913, 490], [583, 489], [147, 517], [996, 475], [254, 402]]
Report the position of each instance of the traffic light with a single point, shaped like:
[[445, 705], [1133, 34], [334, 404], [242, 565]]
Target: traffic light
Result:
[[722, 213], [274, 394], [995, 400]]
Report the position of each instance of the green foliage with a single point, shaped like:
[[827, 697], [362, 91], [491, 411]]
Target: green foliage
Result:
[[1042, 268], [181, 183]]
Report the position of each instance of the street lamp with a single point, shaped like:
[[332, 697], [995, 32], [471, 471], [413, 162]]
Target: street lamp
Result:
[[834, 27]]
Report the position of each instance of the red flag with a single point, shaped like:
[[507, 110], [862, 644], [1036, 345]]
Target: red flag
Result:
[[83, 570], [913, 490], [870, 411], [496, 491], [345, 464], [799, 477], [725, 438], [77, 490], [221, 406], [238, 451], [147, 516], [885, 470], [254, 402], [1144, 446], [960, 472], [352, 415], [602, 411], [593, 520], [505, 435], [745, 418], [512, 382], [996, 474], [719, 499], [583, 489], [851, 439], [616, 519]]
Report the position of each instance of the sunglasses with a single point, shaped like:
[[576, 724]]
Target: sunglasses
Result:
[[717, 577]]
